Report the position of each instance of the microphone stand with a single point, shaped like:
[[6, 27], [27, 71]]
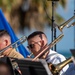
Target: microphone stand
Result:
[[74, 26], [53, 28]]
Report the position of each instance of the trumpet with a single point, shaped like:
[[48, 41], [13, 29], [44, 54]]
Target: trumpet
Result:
[[65, 23], [55, 69], [48, 47], [15, 44]]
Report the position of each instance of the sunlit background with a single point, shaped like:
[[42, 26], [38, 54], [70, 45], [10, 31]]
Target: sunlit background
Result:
[[26, 16]]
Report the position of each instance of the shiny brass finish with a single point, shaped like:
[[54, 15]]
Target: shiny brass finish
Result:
[[48, 47], [71, 25], [64, 24], [55, 69], [15, 44]]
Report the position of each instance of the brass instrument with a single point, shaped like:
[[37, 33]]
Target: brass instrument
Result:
[[55, 69], [64, 24], [48, 47], [30, 56], [71, 25], [14, 45]]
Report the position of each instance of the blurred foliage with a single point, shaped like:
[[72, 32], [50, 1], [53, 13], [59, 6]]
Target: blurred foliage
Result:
[[30, 13]]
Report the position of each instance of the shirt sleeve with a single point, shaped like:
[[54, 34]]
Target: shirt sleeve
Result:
[[15, 54]]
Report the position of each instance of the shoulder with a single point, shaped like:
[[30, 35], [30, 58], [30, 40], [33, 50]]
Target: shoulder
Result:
[[55, 57], [15, 54]]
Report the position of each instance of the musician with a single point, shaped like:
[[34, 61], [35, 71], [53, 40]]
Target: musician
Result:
[[5, 40], [37, 41]]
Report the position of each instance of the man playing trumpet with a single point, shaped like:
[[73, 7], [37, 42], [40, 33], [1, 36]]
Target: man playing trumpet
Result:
[[37, 41]]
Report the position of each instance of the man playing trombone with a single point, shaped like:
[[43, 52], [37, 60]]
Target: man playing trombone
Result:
[[5, 41], [37, 41]]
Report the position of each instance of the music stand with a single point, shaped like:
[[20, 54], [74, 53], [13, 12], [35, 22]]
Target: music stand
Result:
[[29, 67]]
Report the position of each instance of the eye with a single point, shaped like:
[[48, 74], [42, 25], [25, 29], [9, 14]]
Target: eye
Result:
[[31, 46]]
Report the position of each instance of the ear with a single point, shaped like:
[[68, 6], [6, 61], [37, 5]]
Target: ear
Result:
[[6, 42]]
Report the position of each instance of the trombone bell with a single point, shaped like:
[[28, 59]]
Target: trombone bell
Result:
[[65, 24], [55, 69]]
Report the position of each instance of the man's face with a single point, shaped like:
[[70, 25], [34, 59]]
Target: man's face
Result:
[[34, 45]]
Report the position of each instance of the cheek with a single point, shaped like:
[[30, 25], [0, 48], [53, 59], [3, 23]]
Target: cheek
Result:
[[37, 48], [2, 46]]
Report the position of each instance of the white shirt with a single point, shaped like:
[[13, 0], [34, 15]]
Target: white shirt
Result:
[[56, 58]]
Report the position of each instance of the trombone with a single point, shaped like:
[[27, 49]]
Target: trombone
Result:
[[15, 44], [55, 69], [48, 47], [71, 25], [65, 23]]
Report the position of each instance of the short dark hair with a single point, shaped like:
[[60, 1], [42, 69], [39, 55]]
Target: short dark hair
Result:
[[35, 33], [3, 32]]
